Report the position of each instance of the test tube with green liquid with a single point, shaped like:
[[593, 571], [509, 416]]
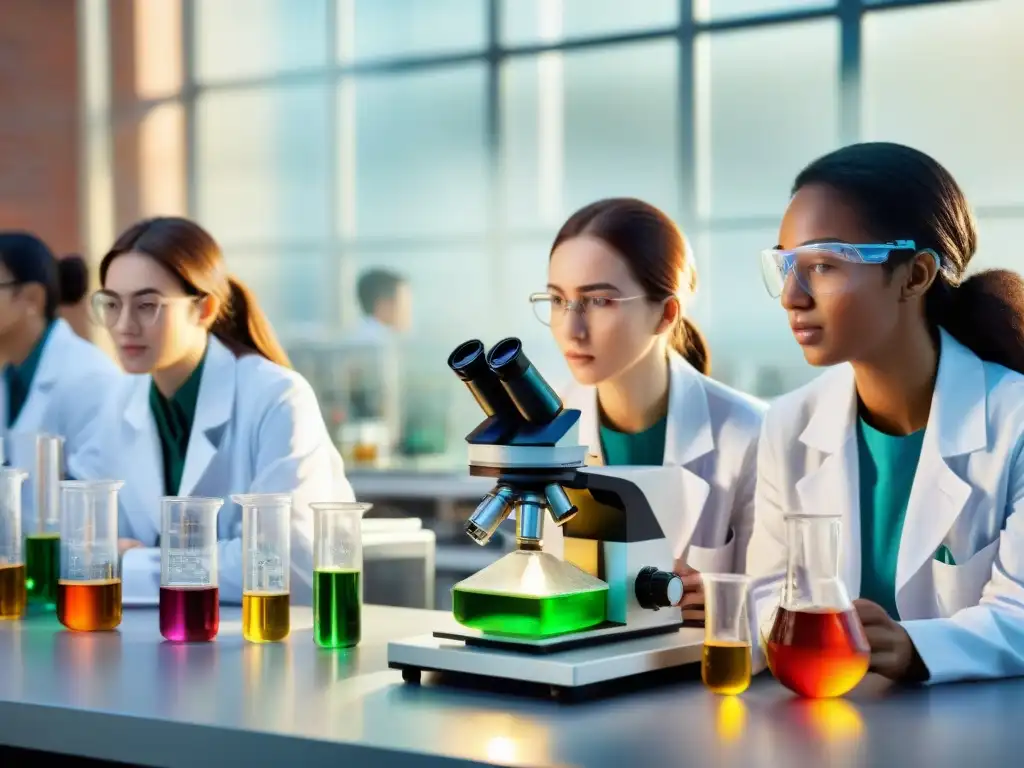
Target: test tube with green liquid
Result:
[[337, 573], [44, 461]]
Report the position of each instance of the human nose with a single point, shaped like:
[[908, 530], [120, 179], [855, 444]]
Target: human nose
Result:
[[126, 321], [793, 294], [577, 323]]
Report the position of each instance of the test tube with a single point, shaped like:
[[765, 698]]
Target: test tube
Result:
[[89, 589], [189, 594], [337, 572], [725, 662], [12, 566], [266, 568], [42, 456]]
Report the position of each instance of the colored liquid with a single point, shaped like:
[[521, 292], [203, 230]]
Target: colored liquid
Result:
[[529, 616], [189, 614], [725, 667], [89, 606], [42, 568], [266, 616], [12, 591], [337, 606], [818, 654]]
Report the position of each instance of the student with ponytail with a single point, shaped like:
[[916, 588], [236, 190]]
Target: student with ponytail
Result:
[[915, 436], [619, 274], [53, 381], [213, 409]]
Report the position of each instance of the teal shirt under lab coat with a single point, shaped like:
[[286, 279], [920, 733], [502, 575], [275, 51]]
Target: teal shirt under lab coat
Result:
[[19, 377], [644, 448], [173, 417]]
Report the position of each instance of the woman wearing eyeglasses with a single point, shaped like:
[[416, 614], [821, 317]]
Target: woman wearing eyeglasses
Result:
[[214, 410], [915, 437], [50, 374], [619, 275]]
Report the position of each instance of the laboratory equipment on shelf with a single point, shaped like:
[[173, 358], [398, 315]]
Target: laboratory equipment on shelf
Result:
[[817, 646], [266, 566], [89, 590], [337, 573], [189, 593], [608, 607], [12, 563], [726, 660]]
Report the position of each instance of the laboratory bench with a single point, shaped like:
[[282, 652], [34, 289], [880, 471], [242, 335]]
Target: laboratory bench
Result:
[[127, 696]]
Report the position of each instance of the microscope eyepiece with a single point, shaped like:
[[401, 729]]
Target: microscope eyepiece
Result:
[[469, 363], [534, 398]]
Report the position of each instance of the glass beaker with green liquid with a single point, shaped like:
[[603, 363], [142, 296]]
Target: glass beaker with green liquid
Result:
[[42, 456], [337, 573], [530, 593]]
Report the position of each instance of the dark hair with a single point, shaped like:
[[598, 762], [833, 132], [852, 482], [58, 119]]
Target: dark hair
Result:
[[190, 253], [30, 260], [903, 194], [376, 285], [657, 256]]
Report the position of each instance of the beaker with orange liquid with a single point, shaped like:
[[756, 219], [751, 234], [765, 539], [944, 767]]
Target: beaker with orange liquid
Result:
[[816, 647]]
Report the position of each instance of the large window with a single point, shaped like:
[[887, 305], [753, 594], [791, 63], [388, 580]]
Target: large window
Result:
[[450, 138]]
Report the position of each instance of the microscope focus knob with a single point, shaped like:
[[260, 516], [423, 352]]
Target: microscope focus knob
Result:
[[658, 589]]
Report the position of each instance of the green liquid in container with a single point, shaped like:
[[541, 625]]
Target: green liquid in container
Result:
[[529, 616], [42, 568]]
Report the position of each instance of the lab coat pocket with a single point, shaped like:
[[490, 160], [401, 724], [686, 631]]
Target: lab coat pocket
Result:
[[713, 559], [960, 586]]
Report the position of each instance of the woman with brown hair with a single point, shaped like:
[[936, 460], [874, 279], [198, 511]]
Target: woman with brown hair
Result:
[[214, 409], [619, 274]]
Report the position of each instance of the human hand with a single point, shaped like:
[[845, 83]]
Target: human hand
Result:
[[123, 545], [893, 654], [693, 593]]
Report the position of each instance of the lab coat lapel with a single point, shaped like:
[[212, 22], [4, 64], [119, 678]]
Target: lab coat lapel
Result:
[[33, 411], [584, 399], [213, 410], [688, 437], [956, 425], [143, 462], [833, 488]]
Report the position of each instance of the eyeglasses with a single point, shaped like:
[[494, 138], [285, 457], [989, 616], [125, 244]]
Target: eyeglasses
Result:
[[550, 308], [823, 269], [107, 307]]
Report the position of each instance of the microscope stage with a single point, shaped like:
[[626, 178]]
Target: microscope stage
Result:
[[570, 669]]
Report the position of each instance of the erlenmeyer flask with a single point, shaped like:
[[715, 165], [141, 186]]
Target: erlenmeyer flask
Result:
[[817, 647]]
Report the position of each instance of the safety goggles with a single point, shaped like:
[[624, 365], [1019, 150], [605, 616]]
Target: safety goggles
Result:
[[822, 269]]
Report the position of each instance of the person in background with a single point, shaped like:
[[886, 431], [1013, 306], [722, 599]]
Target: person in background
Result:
[[53, 380], [915, 436], [212, 410], [386, 301], [619, 275]]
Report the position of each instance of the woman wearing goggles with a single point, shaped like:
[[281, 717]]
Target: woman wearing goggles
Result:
[[618, 275], [915, 435]]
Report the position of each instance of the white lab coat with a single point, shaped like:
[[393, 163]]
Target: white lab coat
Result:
[[711, 436], [257, 429], [69, 387], [966, 620]]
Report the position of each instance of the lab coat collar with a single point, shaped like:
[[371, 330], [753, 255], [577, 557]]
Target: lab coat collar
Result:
[[956, 419], [51, 359]]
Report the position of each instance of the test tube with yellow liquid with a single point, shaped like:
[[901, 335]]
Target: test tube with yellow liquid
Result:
[[12, 564], [337, 573], [89, 590], [725, 662], [266, 566]]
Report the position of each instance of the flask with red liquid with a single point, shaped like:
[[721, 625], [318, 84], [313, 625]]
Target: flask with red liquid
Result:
[[816, 647]]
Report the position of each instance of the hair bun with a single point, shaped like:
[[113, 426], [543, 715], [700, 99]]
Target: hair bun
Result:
[[72, 278]]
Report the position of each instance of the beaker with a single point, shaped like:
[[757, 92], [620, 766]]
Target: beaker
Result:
[[89, 589], [12, 566], [817, 646], [725, 662], [266, 566], [189, 595], [337, 573], [42, 457]]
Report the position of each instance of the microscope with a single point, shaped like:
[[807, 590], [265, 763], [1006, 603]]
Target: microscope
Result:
[[608, 608]]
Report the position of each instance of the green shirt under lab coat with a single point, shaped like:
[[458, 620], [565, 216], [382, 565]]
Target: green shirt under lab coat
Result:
[[174, 419], [19, 377], [642, 448], [887, 467]]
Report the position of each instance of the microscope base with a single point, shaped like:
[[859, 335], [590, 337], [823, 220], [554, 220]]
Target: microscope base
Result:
[[567, 674]]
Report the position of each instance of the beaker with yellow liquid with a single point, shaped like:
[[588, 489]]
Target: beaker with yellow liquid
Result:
[[12, 558], [725, 661], [817, 647]]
